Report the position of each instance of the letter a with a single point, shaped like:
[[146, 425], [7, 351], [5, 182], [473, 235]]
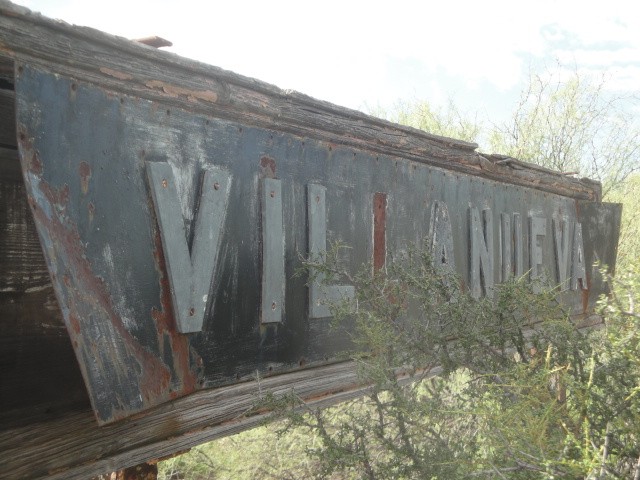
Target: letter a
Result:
[[481, 255], [441, 238]]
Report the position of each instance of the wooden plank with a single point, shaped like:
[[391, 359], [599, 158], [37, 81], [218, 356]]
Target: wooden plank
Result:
[[6, 72], [22, 266], [74, 447], [38, 370], [7, 119], [134, 69]]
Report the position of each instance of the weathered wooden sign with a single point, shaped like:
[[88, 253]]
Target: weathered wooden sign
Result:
[[175, 201], [173, 237]]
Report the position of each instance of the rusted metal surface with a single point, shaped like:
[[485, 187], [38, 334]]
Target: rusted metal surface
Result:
[[86, 154]]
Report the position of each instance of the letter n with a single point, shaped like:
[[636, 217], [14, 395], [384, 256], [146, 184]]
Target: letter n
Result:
[[481, 258]]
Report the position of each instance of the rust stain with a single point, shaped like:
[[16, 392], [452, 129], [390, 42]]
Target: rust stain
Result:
[[75, 324], [268, 166], [58, 198], [86, 288], [116, 74], [176, 92], [34, 165], [166, 326], [85, 175], [83, 289]]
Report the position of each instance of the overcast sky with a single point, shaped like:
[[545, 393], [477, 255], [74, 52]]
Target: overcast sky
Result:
[[369, 53]]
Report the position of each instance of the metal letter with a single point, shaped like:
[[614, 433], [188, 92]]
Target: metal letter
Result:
[[578, 270], [379, 230], [273, 281], [441, 237], [321, 295], [561, 243], [506, 256], [518, 250], [481, 239], [190, 274], [537, 228], [510, 247]]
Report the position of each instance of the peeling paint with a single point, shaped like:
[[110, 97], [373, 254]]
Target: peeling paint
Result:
[[175, 91], [85, 175], [90, 308], [116, 74]]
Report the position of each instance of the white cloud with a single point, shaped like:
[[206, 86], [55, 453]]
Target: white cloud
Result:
[[342, 50]]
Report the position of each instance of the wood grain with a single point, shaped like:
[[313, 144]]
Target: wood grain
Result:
[[38, 369], [7, 119], [72, 446]]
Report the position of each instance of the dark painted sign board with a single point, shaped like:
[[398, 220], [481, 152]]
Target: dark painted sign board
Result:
[[173, 237]]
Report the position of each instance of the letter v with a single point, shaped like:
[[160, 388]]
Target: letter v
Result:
[[190, 273]]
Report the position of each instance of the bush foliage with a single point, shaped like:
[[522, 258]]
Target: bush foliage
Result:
[[520, 391]]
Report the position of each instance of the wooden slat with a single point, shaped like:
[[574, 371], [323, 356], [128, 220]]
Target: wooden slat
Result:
[[38, 369], [6, 72], [7, 119], [22, 266]]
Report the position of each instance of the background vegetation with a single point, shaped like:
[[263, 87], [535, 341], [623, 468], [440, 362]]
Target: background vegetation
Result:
[[556, 403]]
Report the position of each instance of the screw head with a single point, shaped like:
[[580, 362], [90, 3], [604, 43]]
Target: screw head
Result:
[[216, 186]]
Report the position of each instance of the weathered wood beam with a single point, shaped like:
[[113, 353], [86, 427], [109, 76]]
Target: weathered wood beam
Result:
[[72, 446], [129, 68], [38, 369], [7, 119]]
